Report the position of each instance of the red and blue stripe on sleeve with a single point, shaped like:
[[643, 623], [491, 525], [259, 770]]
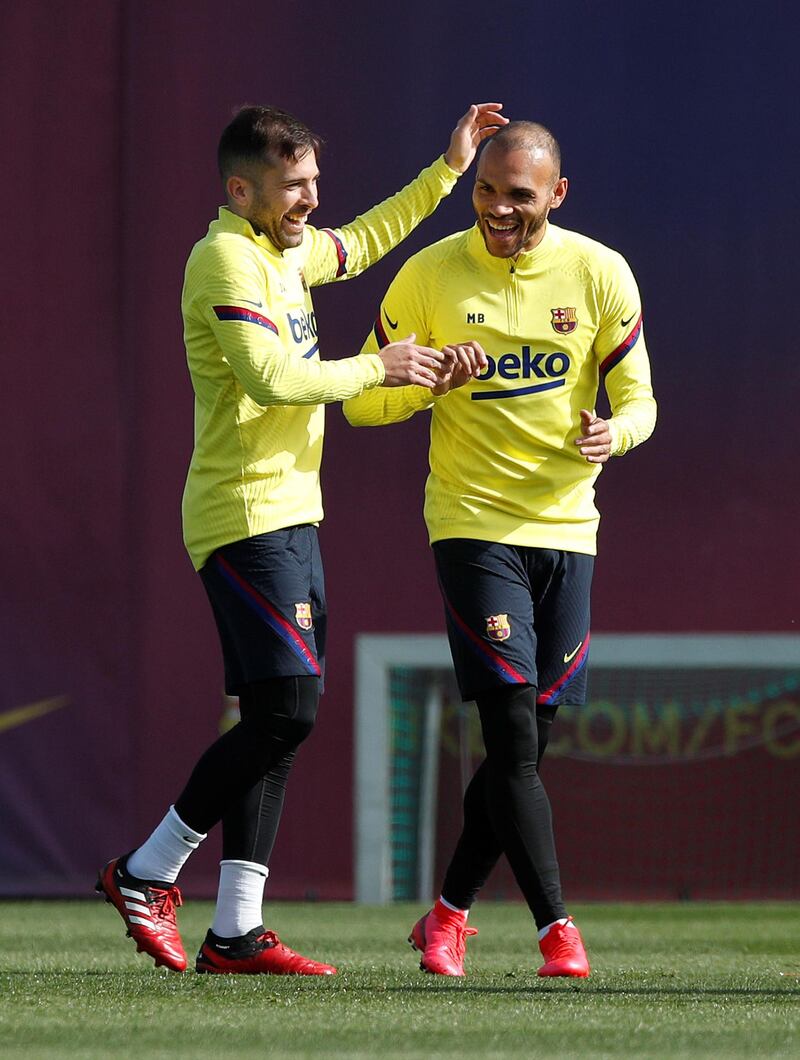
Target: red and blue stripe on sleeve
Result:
[[624, 348], [380, 332], [246, 316], [341, 252]]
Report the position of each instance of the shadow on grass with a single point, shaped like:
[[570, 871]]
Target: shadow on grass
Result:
[[432, 989], [602, 991]]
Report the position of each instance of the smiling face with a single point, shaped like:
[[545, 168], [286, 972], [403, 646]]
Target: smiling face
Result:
[[277, 198], [514, 192]]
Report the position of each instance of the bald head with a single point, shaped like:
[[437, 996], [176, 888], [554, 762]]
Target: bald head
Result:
[[517, 183], [528, 136]]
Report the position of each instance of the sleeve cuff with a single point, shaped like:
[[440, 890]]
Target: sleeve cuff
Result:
[[620, 437], [421, 398], [614, 437], [376, 373], [447, 173]]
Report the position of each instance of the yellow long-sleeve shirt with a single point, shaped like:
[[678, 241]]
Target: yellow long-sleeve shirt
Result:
[[504, 466], [260, 387]]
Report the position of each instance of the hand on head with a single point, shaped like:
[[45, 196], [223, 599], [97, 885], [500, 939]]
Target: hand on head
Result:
[[480, 121]]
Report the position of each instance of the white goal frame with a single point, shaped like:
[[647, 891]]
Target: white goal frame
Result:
[[376, 654]]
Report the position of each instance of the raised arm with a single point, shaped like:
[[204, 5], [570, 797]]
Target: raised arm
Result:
[[340, 253]]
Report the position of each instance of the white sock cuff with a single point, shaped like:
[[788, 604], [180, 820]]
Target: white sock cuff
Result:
[[563, 921], [449, 905], [182, 829], [162, 856], [251, 866], [239, 898]]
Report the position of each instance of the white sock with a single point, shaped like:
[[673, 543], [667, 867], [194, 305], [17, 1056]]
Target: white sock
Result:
[[241, 891], [543, 932], [455, 908], [162, 856]]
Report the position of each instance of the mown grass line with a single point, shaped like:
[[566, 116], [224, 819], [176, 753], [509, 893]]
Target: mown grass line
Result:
[[668, 980]]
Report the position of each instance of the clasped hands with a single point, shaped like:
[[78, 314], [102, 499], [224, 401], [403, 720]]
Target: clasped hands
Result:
[[441, 371], [462, 362]]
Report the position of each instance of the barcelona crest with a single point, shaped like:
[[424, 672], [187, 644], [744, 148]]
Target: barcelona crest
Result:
[[498, 627], [564, 320], [302, 615]]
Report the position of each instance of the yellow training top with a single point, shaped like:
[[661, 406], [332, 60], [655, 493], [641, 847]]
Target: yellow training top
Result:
[[251, 343], [553, 322]]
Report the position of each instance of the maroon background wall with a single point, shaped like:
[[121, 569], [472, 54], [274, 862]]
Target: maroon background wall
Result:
[[680, 136]]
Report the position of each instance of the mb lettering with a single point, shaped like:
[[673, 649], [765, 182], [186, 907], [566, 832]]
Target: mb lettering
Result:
[[304, 327], [527, 366]]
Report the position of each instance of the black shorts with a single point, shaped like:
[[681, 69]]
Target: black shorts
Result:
[[268, 597], [516, 615]]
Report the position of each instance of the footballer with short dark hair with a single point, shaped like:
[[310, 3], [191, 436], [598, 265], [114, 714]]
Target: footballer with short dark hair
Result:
[[252, 503]]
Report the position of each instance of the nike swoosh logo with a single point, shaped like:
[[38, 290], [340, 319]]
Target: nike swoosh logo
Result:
[[626, 322], [258, 305], [12, 719], [572, 654], [392, 323]]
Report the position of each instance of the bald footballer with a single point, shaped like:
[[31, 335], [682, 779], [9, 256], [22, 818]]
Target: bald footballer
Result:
[[540, 317]]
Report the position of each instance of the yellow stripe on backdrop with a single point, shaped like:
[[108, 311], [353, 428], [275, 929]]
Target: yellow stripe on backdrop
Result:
[[12, 719]]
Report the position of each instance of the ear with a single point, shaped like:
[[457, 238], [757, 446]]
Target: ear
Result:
[[559, 193], [238, 190]]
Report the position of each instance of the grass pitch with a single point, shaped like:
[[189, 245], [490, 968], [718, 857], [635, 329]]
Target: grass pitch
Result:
[[689, 980]]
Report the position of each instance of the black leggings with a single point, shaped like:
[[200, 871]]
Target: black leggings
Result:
[[506, 809], [241, 778]]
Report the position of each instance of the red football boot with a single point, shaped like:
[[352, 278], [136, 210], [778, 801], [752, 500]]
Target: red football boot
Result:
[[563, 952], [259, 952], [417, 938], [148, 910], [440, 936]]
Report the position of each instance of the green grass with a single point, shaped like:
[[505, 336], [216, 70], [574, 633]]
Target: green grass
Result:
[[689, 980]]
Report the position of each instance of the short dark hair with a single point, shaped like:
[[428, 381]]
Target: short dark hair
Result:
[[528, 135], [256, 133]]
